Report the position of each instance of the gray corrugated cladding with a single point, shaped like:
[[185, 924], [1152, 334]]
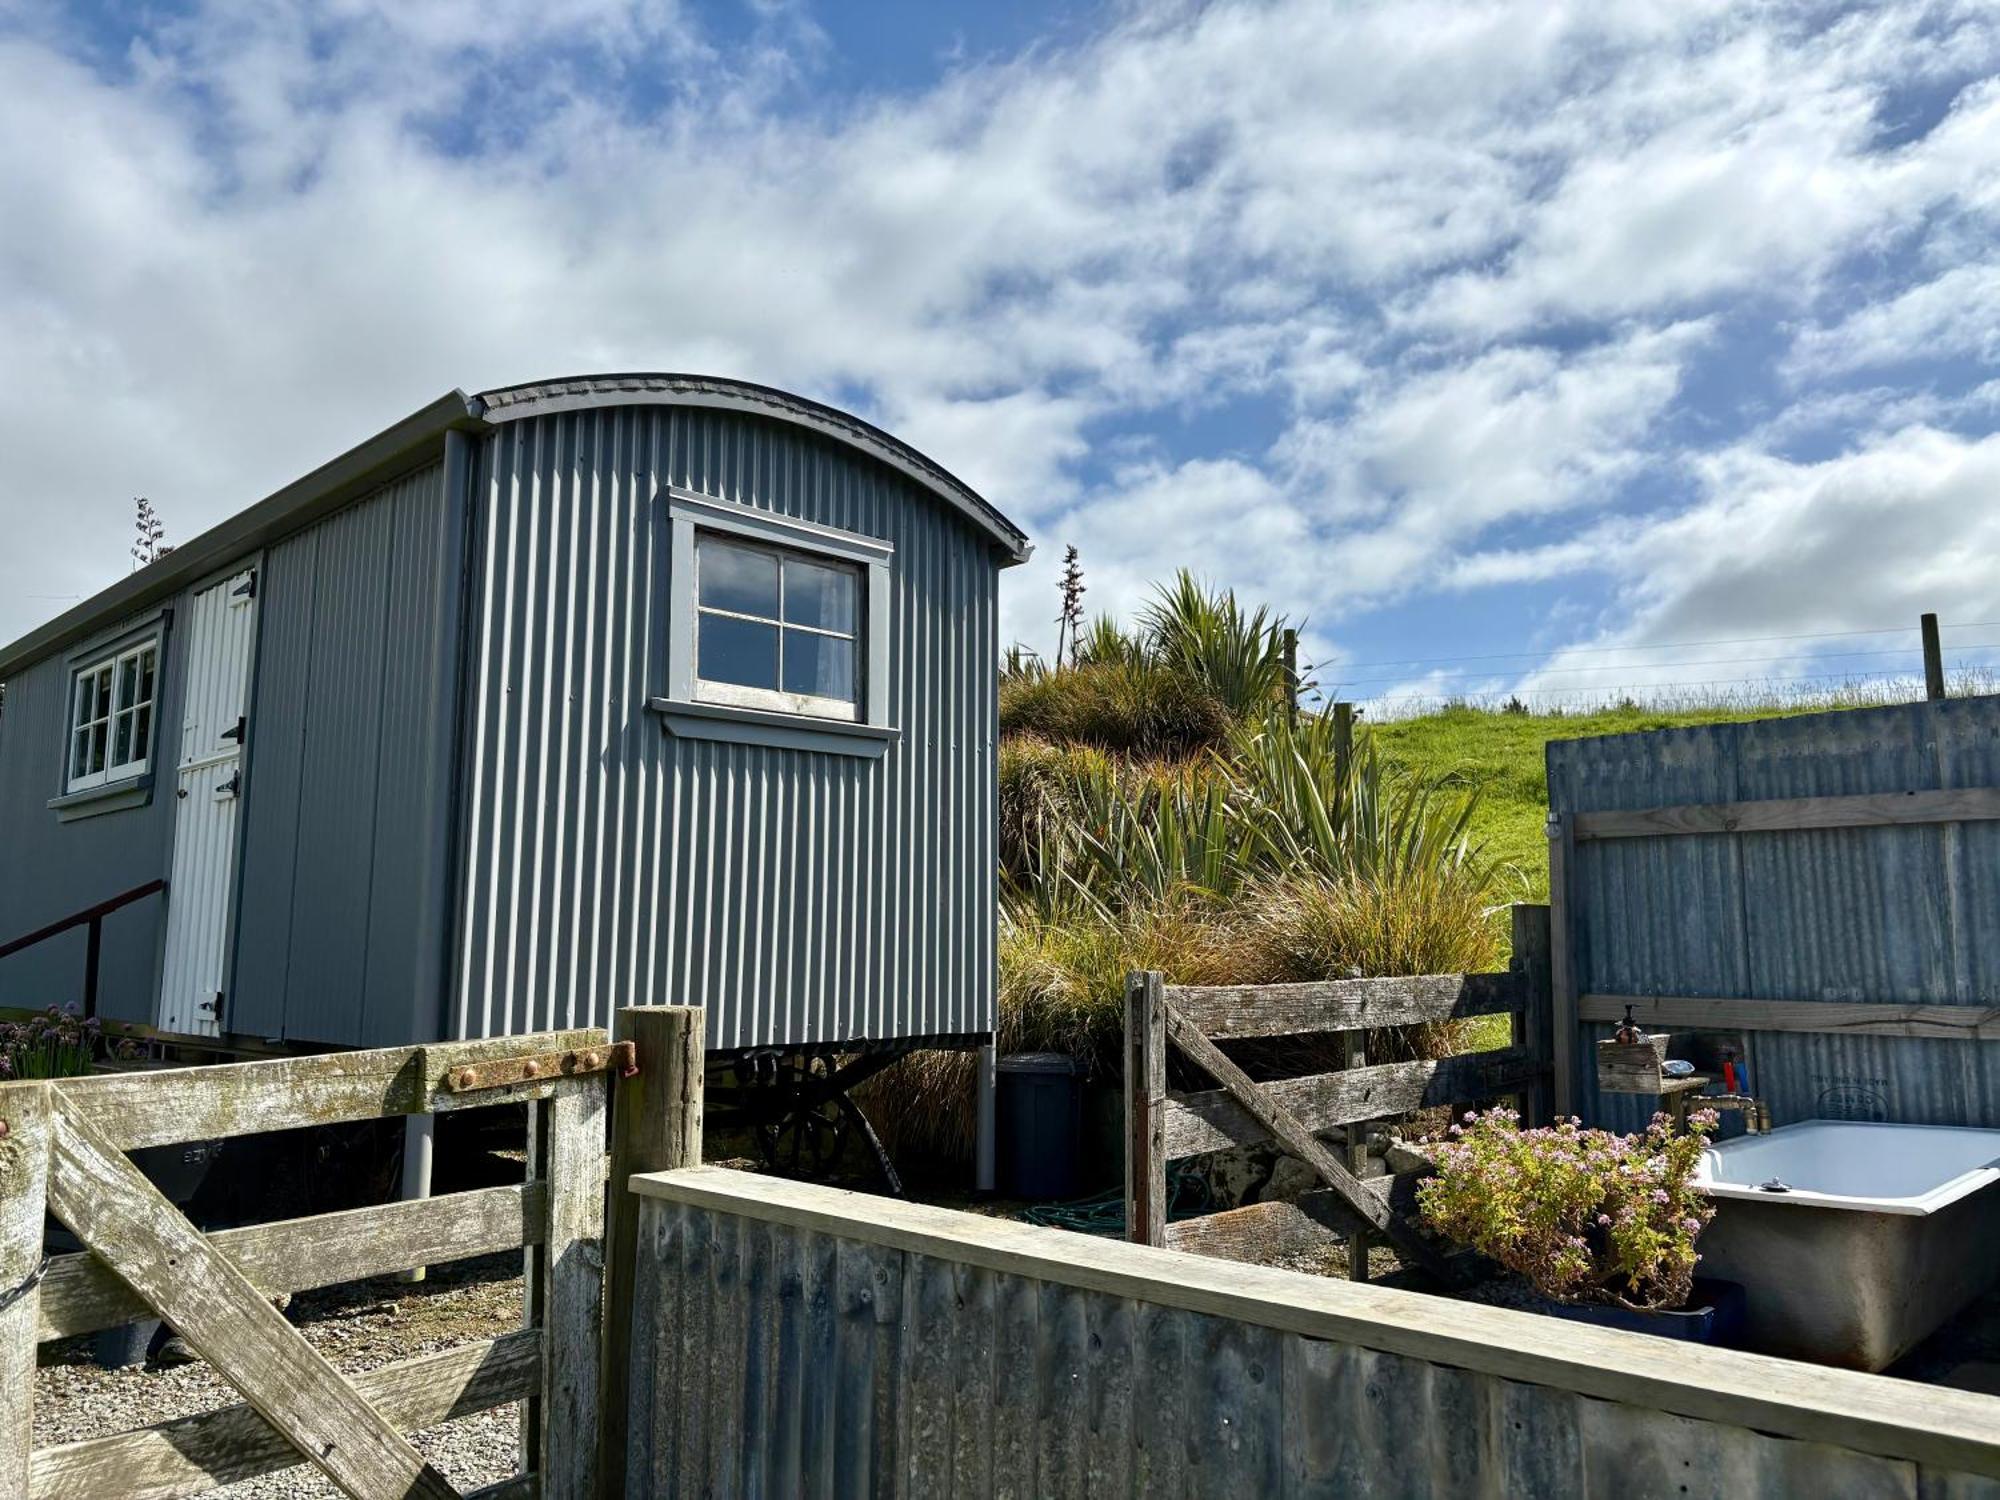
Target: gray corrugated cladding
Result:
[[1872, 914], [801, 897], [51, 869], [771, 1360], [341, 937]]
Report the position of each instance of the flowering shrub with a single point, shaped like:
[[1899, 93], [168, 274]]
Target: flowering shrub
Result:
[[55, 1044], [1584, 1215]]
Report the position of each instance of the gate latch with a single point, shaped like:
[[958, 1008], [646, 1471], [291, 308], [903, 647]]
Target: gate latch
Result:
[[623, 1056]]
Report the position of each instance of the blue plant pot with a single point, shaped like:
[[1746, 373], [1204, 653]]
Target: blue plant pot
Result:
[[1714, 1315]]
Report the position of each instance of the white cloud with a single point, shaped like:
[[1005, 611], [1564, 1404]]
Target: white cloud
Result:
[[1957, 313], [1868, 540], [1467, 255]]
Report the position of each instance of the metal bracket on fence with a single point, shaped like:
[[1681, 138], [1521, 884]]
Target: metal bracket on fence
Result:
[[27, 1284], [547, 1065]]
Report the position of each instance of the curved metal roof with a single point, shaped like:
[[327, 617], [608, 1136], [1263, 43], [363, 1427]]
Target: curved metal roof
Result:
[[585, 391], [399, 447]]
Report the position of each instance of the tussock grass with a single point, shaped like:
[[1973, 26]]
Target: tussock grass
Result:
[[1124, 707]]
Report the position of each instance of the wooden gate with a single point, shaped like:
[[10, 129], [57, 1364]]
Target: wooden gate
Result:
[[1161, 1126], [62, 1148]]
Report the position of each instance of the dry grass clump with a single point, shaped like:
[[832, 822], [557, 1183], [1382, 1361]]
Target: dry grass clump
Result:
[[1124, 707]]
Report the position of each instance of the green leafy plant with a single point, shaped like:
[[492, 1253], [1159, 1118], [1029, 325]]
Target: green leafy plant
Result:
[[1583, 1215], [1203, 633]]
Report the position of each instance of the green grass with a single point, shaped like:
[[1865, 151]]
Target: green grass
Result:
[[1503, 753]]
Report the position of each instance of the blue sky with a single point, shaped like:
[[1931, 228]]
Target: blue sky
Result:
[[1513, 346]]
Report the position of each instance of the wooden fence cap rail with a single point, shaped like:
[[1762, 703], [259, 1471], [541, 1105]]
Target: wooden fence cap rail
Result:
[[1952, 1429]]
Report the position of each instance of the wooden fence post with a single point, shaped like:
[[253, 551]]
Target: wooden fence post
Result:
[[1145, 1109], [655, 1127], [24, 1176], [1933, 659], [1357, 1158], [1534, 1022], [1562, 974]]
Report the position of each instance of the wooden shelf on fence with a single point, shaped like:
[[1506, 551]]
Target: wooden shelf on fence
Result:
[[1860, 1018], [1785, 814]]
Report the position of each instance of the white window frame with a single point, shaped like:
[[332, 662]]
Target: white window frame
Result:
[[691, 514], [741, 695], [87, 673]]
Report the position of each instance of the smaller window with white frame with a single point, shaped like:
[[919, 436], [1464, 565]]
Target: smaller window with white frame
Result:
[[111, 717], [776, 628]]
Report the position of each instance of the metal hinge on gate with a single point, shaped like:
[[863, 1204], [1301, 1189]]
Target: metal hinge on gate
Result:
[[247, 589], [623, 1056]]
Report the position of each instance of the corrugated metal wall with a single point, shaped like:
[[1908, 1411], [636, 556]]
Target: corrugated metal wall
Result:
[[773, 1360], [1871, 914], [801, 897], [347, 799], [50, 869]]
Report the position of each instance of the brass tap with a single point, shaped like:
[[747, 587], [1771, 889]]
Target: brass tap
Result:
[[1756, 1113]]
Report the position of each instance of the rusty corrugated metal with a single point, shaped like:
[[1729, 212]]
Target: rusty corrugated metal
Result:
[[1867, 914], [770, 1359], [801, 897]]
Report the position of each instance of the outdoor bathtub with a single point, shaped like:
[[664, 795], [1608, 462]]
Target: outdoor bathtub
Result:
[[1880, 1234]]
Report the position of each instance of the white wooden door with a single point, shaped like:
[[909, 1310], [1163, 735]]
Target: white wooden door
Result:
[[208, 792]]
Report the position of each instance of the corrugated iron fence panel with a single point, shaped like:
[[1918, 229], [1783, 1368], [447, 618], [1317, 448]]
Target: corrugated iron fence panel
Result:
[[774, 1360], [801, 897], [354, 662], [1863, 914]]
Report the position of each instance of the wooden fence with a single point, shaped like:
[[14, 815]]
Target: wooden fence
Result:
[[1162, 1126], [800, 1340], [62, 1149]]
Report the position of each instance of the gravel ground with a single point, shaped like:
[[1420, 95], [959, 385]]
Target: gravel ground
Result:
[[357, 1327]]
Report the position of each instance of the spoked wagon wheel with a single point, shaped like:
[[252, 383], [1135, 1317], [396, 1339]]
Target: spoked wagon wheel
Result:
[[805, 1119], [806, 1134]]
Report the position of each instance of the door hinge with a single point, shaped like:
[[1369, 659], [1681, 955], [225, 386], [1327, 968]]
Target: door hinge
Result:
[[247, 589], [229, 788], [213, 1005], [235, 733]]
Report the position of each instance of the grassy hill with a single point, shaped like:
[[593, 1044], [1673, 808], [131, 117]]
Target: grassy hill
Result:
[[1503, 753]]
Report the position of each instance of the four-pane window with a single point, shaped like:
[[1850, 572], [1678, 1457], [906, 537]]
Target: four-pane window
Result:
[[776, 629], [111, 717]]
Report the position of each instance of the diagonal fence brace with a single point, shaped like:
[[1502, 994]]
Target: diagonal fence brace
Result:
[[132, 1227], [1289, 1131]]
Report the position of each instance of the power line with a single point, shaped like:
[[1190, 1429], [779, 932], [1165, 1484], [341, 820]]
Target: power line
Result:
[[1709, 661], [1741, 640], [1633, 690]]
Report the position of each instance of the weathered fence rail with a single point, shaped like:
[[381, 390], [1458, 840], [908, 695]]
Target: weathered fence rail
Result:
[[800, 1340], [1163, 1126], [62, 1147]]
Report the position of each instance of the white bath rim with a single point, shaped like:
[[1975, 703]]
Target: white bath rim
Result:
[[1860, 1166]]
